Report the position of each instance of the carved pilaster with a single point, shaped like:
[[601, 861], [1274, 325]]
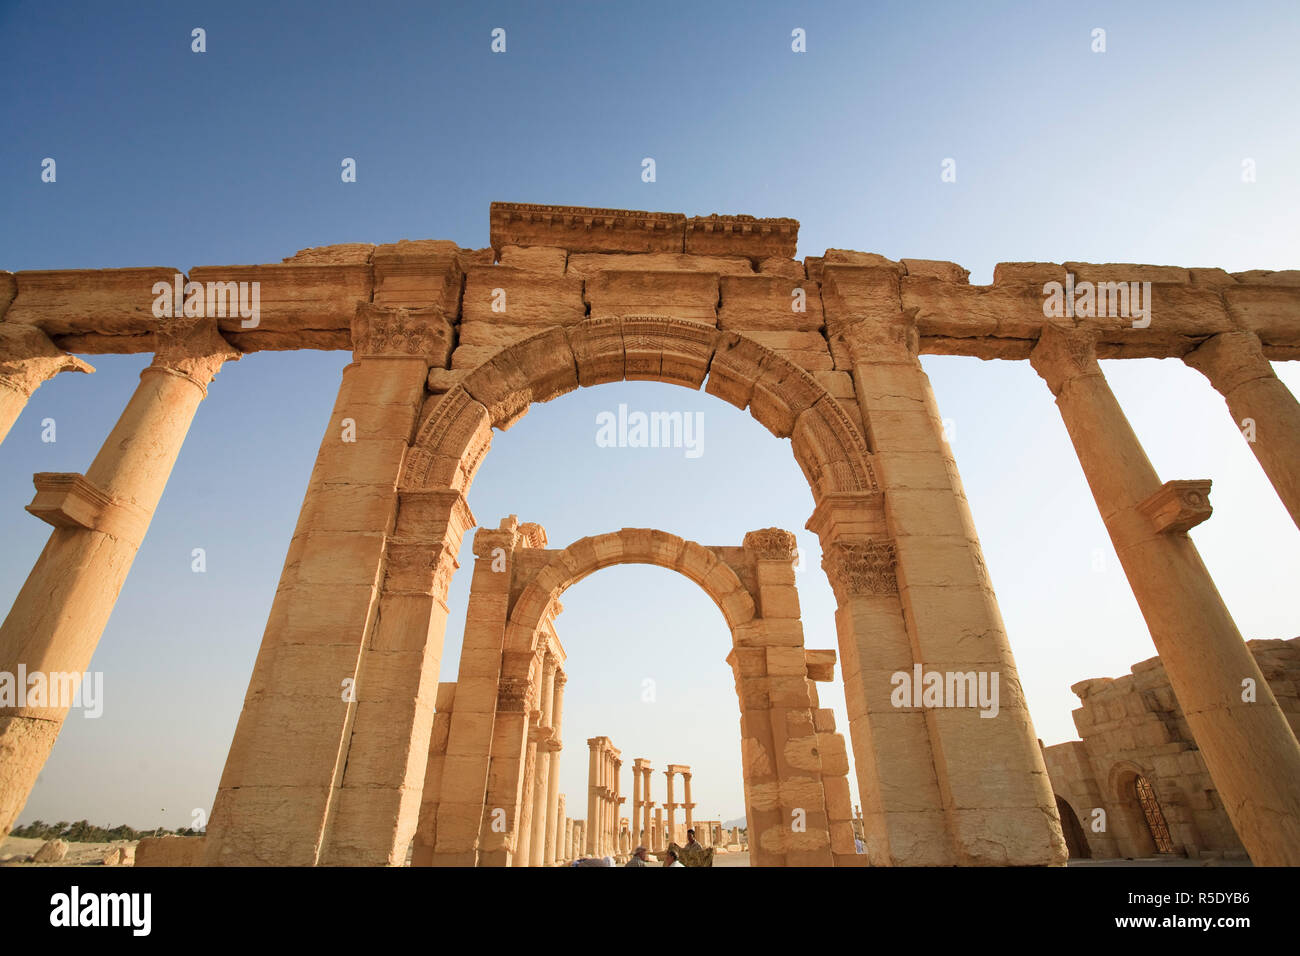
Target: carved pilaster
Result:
[[857, 568], [191, 348], [28, 358]]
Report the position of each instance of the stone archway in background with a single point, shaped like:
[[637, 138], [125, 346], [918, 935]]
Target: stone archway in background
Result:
[[795, 765], [938, 787]]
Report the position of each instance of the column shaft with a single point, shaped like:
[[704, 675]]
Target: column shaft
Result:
[[1248, 746]]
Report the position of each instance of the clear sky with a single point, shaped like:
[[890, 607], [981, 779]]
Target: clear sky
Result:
[[172, 158]]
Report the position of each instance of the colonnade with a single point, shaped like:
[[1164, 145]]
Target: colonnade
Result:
[[603, 797]]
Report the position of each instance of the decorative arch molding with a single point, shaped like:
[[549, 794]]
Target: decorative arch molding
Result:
[[457, 432]]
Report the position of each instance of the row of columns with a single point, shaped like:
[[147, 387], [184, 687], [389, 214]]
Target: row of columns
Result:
[[658, 834], [539, 817], [603, 797], [1249, 748]]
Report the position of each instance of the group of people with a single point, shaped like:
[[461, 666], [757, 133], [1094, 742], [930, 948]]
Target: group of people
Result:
[[641, 855]]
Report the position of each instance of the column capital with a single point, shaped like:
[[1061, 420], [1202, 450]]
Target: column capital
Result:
[[1063, 355], [191, 348], [1230, 359], [28, 357], [861, 567], [395, 332]]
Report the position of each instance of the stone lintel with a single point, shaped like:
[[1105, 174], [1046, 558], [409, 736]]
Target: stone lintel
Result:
[[821, 665], [1178, 506], [754, 238], [70, 500]]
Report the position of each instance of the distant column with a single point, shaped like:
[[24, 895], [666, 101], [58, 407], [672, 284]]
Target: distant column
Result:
[[593, 795], [555, 800]]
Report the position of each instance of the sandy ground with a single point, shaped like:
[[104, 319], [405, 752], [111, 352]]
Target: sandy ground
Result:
[[79, 854]]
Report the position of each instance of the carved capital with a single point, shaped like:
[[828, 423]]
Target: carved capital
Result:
[[1230, 359], [513, 695], [28, 358], [401, 333], [191, 348], [771, 544], [856, 568], [1064, 354]]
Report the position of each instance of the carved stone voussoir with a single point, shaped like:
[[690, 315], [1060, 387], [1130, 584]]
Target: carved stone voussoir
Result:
[[868, 567]]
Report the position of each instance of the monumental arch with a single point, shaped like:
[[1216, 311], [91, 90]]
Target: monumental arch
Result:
[[450, 344]]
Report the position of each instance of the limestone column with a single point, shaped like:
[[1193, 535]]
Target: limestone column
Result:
[[690, 807], [646, 805], [555, 850], [542, 775], [555, 801], [1249, 749], [636, 802], [616, 810], [660, 842], [593, 796], [27, 358], [537, 736], [99, 521], [1261, 406], [671, 807]]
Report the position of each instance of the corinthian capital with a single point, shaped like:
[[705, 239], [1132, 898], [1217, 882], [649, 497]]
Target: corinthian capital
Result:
[[28, 358], [1064, 354], [191, 348]]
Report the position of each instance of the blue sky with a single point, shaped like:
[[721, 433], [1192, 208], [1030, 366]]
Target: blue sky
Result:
[[167, 157]]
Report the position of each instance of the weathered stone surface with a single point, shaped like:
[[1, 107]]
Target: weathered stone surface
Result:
[[588, 266], [170, 851], [691, 296], [51, 851], [583, 229], [746, 236], [769, 303], [549, 260], [116, 303], [505, 295]]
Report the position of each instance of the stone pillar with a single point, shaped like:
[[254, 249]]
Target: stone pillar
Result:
[[555, 801], [636, 801], [616, 809], [555, 849], [27, 358], [99, 521], [671, 807], [660, 843], [326, 766], [690, 807], [646, 805], [593, 794], [912, 591], [1260, 404], [1248, 747], [542, 775]]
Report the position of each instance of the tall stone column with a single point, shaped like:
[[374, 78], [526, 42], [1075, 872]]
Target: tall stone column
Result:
[[616, 768], [660, 842], [1248, 746], [537, 737], [99, 521], [671, 807], [636, 801], [593, 794], [555, 801], [542, 775], [1261, 406], [690, 807], [27, 358], [646, 805], [555, 850]]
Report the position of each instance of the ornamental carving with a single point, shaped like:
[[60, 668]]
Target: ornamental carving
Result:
[[403, 332], [862, 568], [771, 544]]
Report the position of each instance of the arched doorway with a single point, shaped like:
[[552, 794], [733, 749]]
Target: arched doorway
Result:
[[1152, 815], [1076, 841]]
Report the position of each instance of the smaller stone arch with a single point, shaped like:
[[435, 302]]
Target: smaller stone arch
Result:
[[795, 764]]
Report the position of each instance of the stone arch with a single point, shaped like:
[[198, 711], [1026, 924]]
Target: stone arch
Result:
[[792, 758], [1134, 833], [628, 546], [455, 435], [1076, 841]]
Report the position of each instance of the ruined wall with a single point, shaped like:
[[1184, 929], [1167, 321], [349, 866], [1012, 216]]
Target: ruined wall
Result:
[[1134, 724]]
